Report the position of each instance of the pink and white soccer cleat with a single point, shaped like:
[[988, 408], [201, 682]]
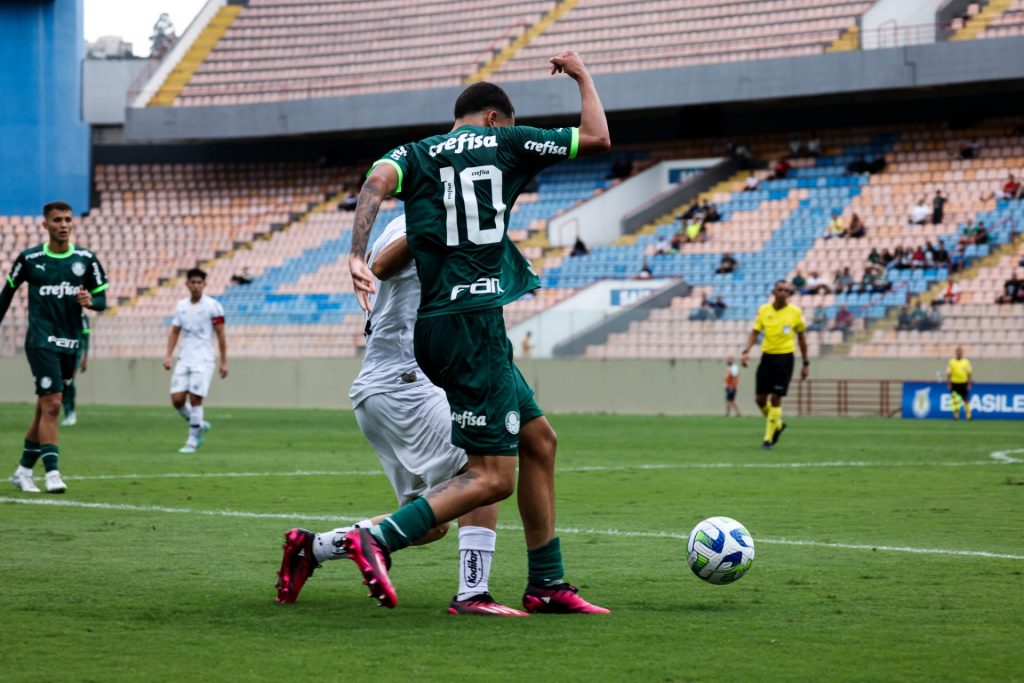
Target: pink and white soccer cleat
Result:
[[484, 605], [297, 564], [560, 599], [372, 559]]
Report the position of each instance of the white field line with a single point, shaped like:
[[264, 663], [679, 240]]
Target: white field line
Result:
[[997, 458], [334, 519]]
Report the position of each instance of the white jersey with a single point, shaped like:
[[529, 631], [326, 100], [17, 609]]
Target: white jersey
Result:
[[390, 362], [196, 322]]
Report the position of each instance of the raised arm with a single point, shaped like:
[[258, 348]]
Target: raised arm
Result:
[[594, 135], [382, 181]]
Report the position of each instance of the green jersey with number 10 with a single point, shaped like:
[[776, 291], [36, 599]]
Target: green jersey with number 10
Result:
[[459, 189]]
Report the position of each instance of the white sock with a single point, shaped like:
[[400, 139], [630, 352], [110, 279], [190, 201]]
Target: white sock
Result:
[[327, 546], [22, 470], [185, 411], [195, 423], [476, 551]]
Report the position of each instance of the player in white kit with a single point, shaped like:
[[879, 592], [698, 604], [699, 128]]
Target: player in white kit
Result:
[[197, 319], [408, 422]]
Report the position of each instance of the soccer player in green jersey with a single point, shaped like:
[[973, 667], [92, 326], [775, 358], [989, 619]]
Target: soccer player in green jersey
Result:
[[82, 364], [62, 279], [459, 188]]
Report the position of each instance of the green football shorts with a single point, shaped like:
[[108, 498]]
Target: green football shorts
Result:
[[51, 371], [470, 357]]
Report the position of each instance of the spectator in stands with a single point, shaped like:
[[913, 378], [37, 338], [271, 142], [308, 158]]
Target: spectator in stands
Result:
[[933, 321], [968, 232], [958, 261], [799, 281], [951, 293], [579, 248], [920, 212], [662, 246], [727, 264], [710, 212], [903, 258], [940, 256], [796, 147], [349, 202], [751, 184], [844, 320], [816, 285], [971, 150], [695, 232], [718, 306], [780, 170], [856, 229], [742, 153], [873, 281], [917, 258], [918, 317], [887, 258], [875, 258], [704, 311], [676, 243], [645, 271], [981, 236], [903, 321], [243, 278], [877, 165], [819, 320], [1012, 189], [843, 281], [938, 207], [836, 227], [692, 211], [526, 346], [1013, 291], [857, 166], [814, 146]]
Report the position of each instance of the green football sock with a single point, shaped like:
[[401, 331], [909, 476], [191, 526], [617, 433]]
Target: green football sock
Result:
[[545, 564], [410, 523], [30, 454], [50, 453]]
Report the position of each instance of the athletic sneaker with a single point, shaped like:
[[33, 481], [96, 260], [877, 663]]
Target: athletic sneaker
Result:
[[297, 564], [23, 480], [206, 426], [373, 560], [778, 433], [483, 604], [187, 449], [54, 484], [767, 445], [560, 599], [70, 420]]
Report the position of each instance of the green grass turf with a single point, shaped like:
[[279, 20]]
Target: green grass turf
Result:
[[100, 594]]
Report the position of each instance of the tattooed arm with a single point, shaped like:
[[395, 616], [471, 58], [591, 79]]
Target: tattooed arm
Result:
[[382, 181]]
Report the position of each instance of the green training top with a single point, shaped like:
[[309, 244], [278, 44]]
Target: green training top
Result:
[[54, 315], [459, 189]]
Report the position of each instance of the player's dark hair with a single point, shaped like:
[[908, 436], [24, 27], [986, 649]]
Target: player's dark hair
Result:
[[56, 206], [195, 272], [481, 97]]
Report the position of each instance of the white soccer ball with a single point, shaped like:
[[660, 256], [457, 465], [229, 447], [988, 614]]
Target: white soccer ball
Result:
[[720, 550]]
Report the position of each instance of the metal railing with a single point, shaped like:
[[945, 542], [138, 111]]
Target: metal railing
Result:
[[849, 397]]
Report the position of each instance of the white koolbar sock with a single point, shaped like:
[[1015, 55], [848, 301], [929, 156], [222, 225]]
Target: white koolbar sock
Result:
[[327, 546], [476, 550], [195, 423]]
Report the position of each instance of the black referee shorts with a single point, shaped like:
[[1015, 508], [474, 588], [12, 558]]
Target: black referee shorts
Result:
[[774, 374], [960, 389]]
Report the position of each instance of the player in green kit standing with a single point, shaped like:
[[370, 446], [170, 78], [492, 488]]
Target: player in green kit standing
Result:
[[459, 189], [62, 279]]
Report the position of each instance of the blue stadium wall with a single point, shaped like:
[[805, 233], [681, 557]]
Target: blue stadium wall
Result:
[[44, 143]]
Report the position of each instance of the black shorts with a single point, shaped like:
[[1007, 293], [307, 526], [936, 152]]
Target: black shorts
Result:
[[960, 389], [730, 394], [774, 374], [51, 371]]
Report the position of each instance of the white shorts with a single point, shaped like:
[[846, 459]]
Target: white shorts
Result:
[[411, 431], [195, 379]]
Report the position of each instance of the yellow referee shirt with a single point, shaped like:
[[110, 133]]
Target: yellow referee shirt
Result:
[[959, 370], [780, 327]]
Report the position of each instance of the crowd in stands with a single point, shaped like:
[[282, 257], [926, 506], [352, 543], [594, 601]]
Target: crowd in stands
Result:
[[918, 318], [693, 227], [709, 310], [1013, 290]]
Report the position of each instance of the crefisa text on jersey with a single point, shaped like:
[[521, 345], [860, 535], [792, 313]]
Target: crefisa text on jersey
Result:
[[463, 142]]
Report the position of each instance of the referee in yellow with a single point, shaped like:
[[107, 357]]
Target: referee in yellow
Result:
[[959, 380], [781, 322]]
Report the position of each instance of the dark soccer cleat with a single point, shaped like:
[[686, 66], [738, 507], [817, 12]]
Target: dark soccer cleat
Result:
[[373, 560], [778, 433], [483, 604], [767, 445], [560, 599], [297, 564]]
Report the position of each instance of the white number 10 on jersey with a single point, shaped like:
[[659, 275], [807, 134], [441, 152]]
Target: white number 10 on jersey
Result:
[[467, 180]]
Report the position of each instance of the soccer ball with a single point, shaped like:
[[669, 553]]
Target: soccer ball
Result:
[[720, 550]]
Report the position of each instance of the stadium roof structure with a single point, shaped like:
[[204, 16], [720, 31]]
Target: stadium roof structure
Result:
[[997, 64]]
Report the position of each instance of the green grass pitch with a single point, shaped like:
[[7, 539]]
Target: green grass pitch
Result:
[[886, 550]]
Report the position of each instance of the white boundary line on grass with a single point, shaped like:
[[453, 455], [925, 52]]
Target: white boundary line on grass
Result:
[[335, 519], [996, 458]]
